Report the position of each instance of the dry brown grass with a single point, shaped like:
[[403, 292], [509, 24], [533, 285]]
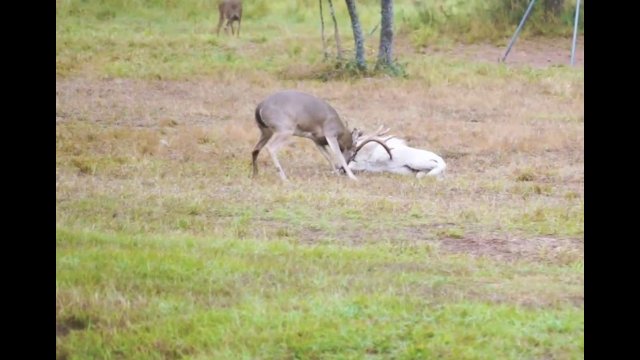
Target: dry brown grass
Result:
[[177, 154], [488, 119]]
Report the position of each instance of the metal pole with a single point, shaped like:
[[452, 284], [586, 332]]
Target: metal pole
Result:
[[515, 36], [575, 34]]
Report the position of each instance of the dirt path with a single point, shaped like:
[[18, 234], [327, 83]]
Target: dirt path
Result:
[[538, 53]]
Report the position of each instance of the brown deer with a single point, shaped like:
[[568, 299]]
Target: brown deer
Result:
[[230, 11], [294, 113]]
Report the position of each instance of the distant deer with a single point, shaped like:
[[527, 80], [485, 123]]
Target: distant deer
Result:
[[230, 11], [405, 160], [293, 113]]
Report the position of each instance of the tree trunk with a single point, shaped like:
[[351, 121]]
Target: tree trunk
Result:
[[357, 35], [324, 42], [335, 30], [385, 53]]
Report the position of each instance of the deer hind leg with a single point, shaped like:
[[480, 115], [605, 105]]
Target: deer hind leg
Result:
[[435, 172], [226, 26], [229, 28], [279, 139], [333, 144], [238, 32], [265, 135]]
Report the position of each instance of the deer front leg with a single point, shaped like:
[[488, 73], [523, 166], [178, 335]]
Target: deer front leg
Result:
[[219, 24], [327, 156], [333, 144]]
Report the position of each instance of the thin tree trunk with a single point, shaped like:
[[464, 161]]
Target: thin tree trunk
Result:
[[324, 42], [385, 52], [357, 35], [335, 30]]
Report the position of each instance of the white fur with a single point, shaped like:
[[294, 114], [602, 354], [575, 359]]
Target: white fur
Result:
[[406, 160]]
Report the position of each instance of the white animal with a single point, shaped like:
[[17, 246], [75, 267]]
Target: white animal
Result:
[[404, 160]]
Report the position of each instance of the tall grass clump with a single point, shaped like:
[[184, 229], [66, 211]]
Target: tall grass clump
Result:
[[484, 20]]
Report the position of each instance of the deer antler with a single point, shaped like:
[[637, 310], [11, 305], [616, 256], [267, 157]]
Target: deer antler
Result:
[[374, 137]]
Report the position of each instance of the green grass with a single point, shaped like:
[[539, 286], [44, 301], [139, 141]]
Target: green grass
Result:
[[166, 297], [326, 210], [176, 40]]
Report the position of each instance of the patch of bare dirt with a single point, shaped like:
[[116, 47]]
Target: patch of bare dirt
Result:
[[64, 326], [544, 249], [536, 53], [498, 247]]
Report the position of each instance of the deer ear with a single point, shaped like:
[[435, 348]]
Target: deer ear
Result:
[[355, 134]]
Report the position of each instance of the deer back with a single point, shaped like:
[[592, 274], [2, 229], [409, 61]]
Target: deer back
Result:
[[231, 9], [303, 114]]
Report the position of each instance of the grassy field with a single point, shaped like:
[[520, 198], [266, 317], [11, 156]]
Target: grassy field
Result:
[[167, 249]]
